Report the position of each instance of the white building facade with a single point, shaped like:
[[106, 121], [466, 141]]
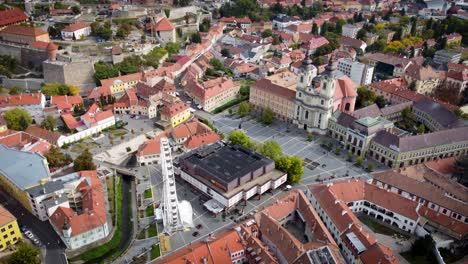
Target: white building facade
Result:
[[314, 105], [359, 72]]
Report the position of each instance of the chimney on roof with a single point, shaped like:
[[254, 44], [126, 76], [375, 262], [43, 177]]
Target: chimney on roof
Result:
[[343, 212]]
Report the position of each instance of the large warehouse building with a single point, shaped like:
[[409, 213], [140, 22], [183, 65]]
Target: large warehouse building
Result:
[[229, 174]]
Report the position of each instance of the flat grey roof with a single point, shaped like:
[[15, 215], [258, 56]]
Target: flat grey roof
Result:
[[24, 169]]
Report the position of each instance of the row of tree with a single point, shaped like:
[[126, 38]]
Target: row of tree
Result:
[[271, 149]]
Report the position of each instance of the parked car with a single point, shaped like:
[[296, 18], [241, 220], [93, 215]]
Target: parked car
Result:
[[29, 235], [200, 107], [23, 228]]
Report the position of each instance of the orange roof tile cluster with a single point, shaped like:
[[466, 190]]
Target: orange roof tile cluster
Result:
[[133, 77], [71, 121], [164, 25], [49, 136], [457, 227], [209, 89], [333, 199], [94, 118], [268, 223], [24, 141], [151, 147], [96, 93], [93, 207], [75, 27], [44, 45], [174, 109], [24, 31], [202, 139], [66, 102], [20, 99], [344, 88], [12, 16], [215, 250], [378, 253]]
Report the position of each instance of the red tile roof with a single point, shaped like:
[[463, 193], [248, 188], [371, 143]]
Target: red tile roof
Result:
[[269, 87], [202, 139], [70, 121], [215, 250], [24, 30], [75, 27], [49, 136], [20, 99], [152, 146], [379, 253], [93, 205], [66, 101], [12, 16], [174, 109], [164, 25]]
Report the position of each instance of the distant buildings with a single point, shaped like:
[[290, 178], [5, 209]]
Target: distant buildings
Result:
[[446, 56], [392, 65], [212, 93], [175, 113], [24, 34], [76, 31], [424, 79], [350, 31], [33, 103], [229, 174], [11, 17], [359, 72], [10, 233], [165, 31]]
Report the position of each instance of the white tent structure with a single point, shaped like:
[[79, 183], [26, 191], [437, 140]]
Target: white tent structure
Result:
[[186, 214]]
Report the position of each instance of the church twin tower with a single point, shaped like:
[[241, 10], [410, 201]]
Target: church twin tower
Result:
[[314, 97]]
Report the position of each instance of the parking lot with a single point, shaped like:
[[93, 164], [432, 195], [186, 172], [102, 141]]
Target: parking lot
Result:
[[319, 164]]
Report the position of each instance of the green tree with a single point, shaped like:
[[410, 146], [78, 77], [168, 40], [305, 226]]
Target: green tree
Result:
[[380, 101], [359, 161], [17, 119], [167, 12], [370, 167], [267, 33], [365, 97], [226, 53], [84, 161], [267, 117], [49, 123], [238, 137], [361, 34], [292, 166], [338, 150], [56, 158], [25, 254], [314, 29], [350, 156], [244, 108], [173, 48], [244, 90], [271, 149], [54, 89], [130, 64], [15, 90], [421, 129], [195, 38], [103, 71], [76, 10]]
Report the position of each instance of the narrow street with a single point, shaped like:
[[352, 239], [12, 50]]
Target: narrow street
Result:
[[43, 230]]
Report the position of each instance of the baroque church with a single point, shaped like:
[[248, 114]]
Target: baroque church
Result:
[[317, 98]]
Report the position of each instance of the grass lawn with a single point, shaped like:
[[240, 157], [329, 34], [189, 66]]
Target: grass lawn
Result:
[[155, 252], [150, 211], [78, 148], [114, 242], [118, 133], [148, 193], [376, 226], [411, 258], [153, 230], [111, 195], [142, 234]]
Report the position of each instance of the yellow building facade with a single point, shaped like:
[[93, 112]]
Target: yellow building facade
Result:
[[10, 233]]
